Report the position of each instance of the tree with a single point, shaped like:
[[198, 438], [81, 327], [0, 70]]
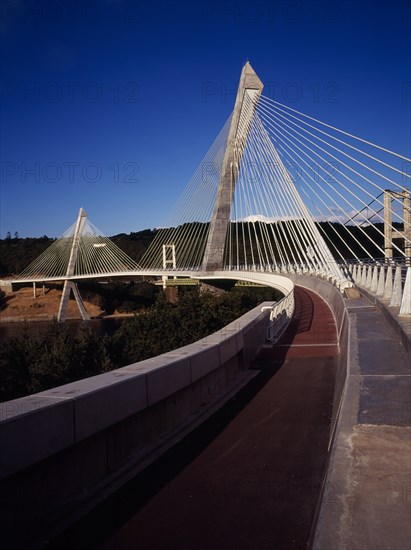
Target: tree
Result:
[[16, 234], [8, 235], [2, 299]]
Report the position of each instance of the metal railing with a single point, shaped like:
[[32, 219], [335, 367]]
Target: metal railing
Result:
[[280, 315]]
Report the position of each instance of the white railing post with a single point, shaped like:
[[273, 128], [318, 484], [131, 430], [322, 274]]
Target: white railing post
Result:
[[396, 289], [381, 282], [363, 281], [405, 308], [374, 280], [388, 284], [354, 273], [369, 277]]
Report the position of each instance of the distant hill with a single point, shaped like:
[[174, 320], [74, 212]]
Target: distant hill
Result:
[[16, 254]]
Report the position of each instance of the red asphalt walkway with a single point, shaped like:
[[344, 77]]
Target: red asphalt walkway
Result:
[[254, 483]]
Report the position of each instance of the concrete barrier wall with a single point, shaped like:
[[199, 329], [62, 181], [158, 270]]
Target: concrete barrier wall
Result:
[[61, 447]]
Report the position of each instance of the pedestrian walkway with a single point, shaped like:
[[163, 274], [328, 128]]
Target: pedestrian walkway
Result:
[[255, 485]]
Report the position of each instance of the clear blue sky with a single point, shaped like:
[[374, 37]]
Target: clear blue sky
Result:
[[111, 105]]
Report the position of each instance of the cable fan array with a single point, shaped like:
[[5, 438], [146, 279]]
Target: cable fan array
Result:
[[187, 227], [96, 255], [271, 228], [307, 196], [342, 181]]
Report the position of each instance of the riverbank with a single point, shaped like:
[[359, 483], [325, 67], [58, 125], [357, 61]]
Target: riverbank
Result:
[[22, 306]]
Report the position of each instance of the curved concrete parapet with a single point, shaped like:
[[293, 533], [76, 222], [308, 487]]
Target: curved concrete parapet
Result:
[[35, 427], [64, 446], [282, 283]]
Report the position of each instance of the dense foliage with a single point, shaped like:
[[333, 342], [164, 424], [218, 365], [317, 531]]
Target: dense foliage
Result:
[[2, 299], [117, 296], [30, 364], [16, 254]]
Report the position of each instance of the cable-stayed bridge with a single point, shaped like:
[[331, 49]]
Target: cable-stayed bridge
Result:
[[283, 200], [277, 193]]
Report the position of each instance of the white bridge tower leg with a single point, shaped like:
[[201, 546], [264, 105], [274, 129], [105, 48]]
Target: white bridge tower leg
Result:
[[237, 138], [70, 285]]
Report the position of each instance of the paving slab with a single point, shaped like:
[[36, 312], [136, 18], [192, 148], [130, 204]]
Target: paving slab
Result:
[[379, 489]]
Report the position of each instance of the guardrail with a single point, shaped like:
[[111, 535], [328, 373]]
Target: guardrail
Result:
[[280, 316]]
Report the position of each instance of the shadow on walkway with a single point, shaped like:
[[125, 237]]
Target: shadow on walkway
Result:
[[249, 477]]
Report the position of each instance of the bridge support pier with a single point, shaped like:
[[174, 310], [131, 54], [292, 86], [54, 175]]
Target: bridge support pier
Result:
[[69, 285], [62, 314]]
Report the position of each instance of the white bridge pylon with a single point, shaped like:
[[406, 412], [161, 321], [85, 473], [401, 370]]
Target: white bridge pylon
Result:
[[281, 191], [242, 209], [82, 252]]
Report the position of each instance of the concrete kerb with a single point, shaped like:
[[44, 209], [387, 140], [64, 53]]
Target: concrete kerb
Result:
[[337, 304], [328, 292], [405, 308], [337, 470]]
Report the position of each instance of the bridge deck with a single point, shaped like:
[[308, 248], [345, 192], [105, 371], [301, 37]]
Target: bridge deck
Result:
[[249, 477]]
